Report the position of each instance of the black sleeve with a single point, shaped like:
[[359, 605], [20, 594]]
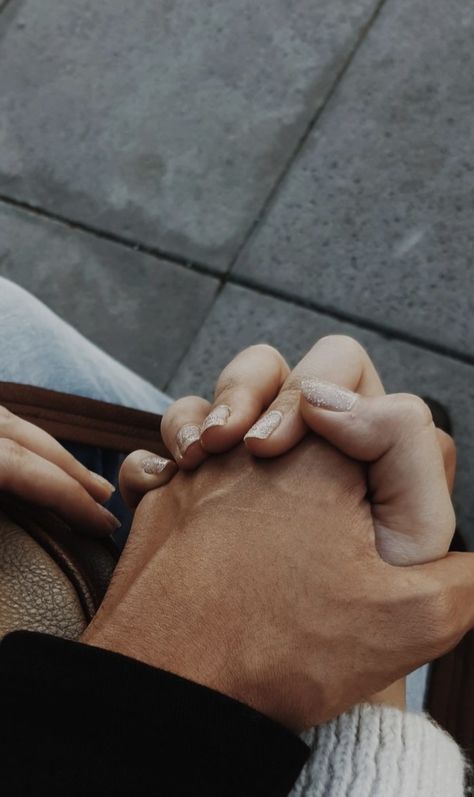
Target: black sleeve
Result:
[[78, 720]]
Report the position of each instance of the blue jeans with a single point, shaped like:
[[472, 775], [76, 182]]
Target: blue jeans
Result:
[[38, 348]]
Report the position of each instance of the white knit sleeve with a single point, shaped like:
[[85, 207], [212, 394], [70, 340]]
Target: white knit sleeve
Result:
[[378, 751]]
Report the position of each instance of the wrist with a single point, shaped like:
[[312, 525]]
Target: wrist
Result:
[[393, 696], [199, 652]]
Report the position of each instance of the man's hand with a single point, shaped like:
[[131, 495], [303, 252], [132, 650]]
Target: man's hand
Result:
[[37, 469]]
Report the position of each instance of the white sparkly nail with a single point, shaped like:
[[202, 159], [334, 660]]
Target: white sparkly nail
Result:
[[155, 465], [328, 396], [265, 426], [217, 417], [187, 435]]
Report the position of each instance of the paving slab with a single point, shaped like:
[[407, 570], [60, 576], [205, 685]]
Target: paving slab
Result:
[[241, 317], [143, 311], [167, 122], [375, 219]]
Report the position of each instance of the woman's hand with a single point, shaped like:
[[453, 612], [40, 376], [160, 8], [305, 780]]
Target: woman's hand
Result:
[[37, 469]]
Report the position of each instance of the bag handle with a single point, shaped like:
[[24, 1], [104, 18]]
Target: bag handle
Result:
[[76, 419]]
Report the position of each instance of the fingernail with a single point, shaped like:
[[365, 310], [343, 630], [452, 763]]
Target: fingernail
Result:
[[218, 417], [265, 426], [328, 396], [188, 434], [155, 465], [113, 522], [103, 481]]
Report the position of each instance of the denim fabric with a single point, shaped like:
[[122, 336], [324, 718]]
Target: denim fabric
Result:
[[38, 348]]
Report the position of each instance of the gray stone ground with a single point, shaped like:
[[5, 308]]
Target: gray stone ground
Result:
[[182, 179]]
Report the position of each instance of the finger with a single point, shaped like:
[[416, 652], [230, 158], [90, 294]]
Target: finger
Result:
[[39, 442], [413, 514], [448, 452], [141, 472], [181, 431], [334, 358], [244, 389], [39, 481]]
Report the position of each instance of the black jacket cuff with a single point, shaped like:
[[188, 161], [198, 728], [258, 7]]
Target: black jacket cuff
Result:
[[80, 720]]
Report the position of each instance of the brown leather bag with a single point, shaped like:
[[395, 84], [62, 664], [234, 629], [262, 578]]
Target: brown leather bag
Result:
[[52, 580]]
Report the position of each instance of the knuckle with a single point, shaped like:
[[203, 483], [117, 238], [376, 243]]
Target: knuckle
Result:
[[441, 618], [229, 379], [289, 396], [267, 350], [448, 444], [292, 385], [10, 450], [184, 402], [11, 454], [5, 416], [225, 384], [450, 521], [413, 409], [182, 407], [350, 345]]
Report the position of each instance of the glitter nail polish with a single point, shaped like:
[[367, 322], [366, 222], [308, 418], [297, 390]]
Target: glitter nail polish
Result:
[[328, 396], [154, 465], [265, 425], [187, 435], [217, 417]]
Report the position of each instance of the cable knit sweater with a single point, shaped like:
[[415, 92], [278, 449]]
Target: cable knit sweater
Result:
[[377, 751]]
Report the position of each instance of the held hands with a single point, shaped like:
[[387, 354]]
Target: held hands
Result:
[[410, 463], [261, 576]]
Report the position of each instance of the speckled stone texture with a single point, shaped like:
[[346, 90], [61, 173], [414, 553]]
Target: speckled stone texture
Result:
[[376, 216], [166, 121], [143, 311], [240, 318]]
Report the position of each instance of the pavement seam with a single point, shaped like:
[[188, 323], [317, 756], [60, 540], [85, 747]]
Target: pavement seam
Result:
[[271, 196], [108, 235], [363, 323], [228, 278], [188, 348]]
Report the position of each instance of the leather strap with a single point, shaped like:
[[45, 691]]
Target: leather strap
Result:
[[84, 420]]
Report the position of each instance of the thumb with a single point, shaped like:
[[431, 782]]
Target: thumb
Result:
[[411, 506], [141, 472]]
